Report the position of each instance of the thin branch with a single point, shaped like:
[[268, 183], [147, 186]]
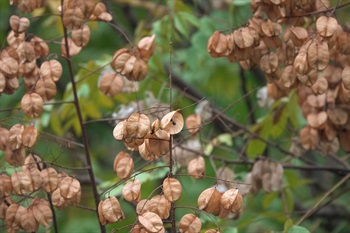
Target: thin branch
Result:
[[314, 208], [319, 12], [81, 123]]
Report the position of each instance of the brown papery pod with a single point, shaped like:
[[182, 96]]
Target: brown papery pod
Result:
[[2, 82], [138, 125], [5, 185], [19, 25], [29, 136], [119, 59], [196, 167], [4, 206], [26, 52], [41, 210], [160, 206], [111, 210], [316, 101], [139, 71], [209, 201], [217, 44], [288, 76], [269, 63], [101, 218], [50, 180], [301, 64], [51, 69], [344, 138], [298, 35], [3, 138], [225, 176], [111, 84], [309, 138], [119, 131], [212, 231], [13, 42], [123, 165], [15, 137], [317, 120], [318, 54], [69, 187], [81, 36], [27, 68], [151, 222], [190, 223], [326, 26], [13, 216], [193, 123], [158, 144], [32, 162], [143, 206], [232, 200], [46, 88], [28, 221], [338, 116], [100, 13], [15, 157], [34, 177], [172, 189], [320, 86], [41, 48], [9, 66], [73, 49], [172, 122], [346, 77], [21, 183], [73, 16], [57, 200], [132, 191], [146, 47], [32, 105]]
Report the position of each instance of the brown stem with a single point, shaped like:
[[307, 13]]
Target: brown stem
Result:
[[81, 123], [54, 219]]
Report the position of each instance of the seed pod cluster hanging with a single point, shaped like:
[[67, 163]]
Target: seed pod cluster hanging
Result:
[[315, 61]]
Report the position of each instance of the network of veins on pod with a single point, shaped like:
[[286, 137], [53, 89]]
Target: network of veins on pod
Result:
[[28, 62]]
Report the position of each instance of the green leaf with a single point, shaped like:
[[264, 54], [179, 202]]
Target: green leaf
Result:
[[240, 2], [288, 224], [288, 194], [280, 125], [190, 18], [181, 26], [230, 230], [269, 198], [298, 229], [255, 148]]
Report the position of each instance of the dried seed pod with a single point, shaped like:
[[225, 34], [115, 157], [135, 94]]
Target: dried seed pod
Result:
[[2, 82], [15, 157], [139, 70], [9, 66], [41, 48], [209, 201], [225, 176], [41, 211], [309, 138], [172, 189], [123, 165], [69, 187], [318, 55], [317, 120], [119, 131], [269, 63], [143, 206], [344, 138], [99, 13], [73, 15], [212, 231], [46, 88], [337, 116], [288, 77], [138, 125], [22, 183], [111, 210], [50, 180], [160, 206], [81, 36], [111, 84], [189, 223], [151, 222], [29, 136], [3, 138], [193, 123], [301, 64], [298, 36], [35, 178], [155, 146], [132, 191], [15, 137], [217, 44], [14, 40], [346, 77], [243, 38], [51, 69], [326, 26], [28, 221], [27, 68], [19, 25], [32, 162], [320, 86], [32, 105], [57, 200], [13, 216], [5, 185], [196, 167], [5, 203], [73, 49], [146, 47], [26, 52], [172, 122], [232, 200]]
